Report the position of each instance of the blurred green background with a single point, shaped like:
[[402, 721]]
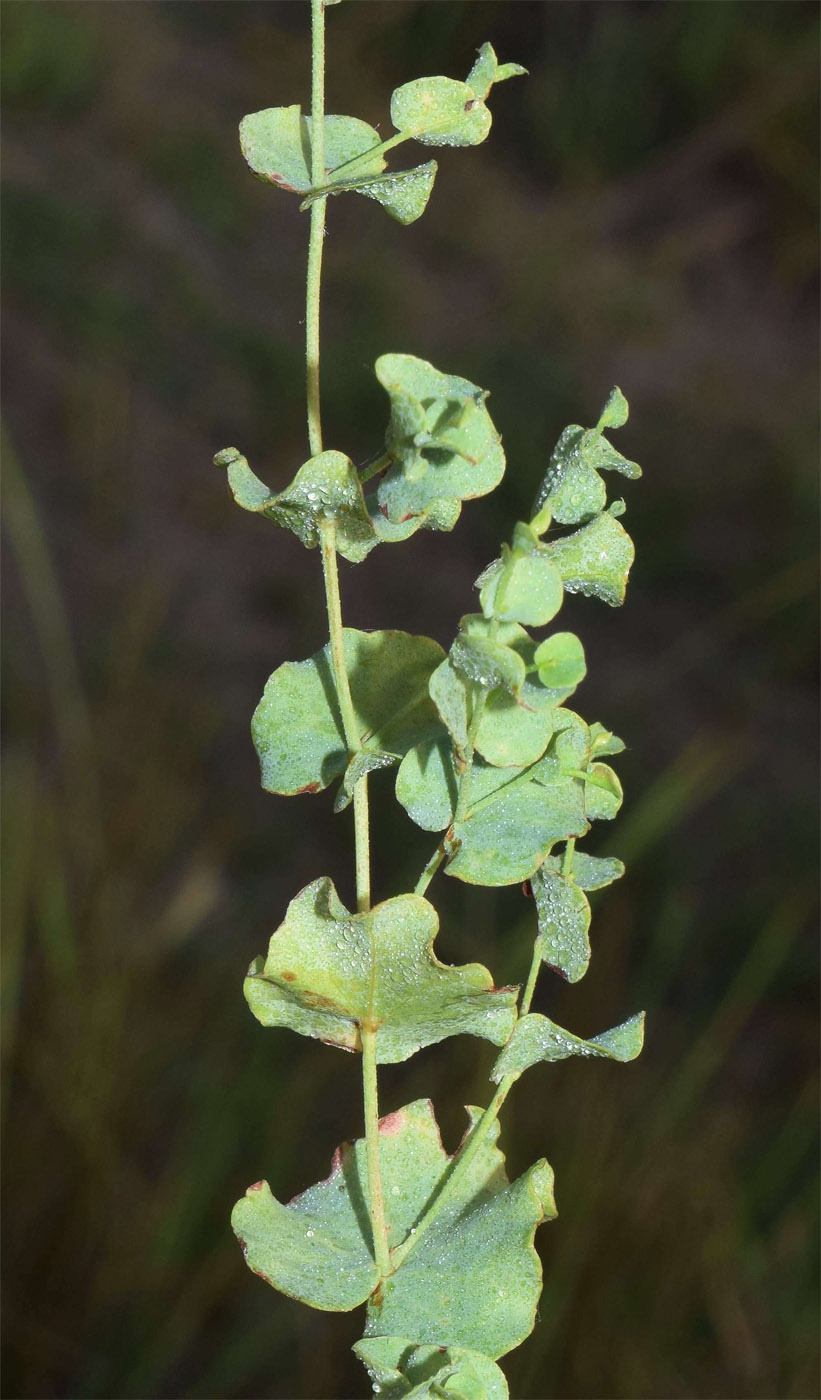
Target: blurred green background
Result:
[[643, 213]]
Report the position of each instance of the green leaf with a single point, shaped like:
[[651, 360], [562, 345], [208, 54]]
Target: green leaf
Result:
[[402, 193], [443, 112], [523, 588], [596, 559], [588, 872], [327, 487], [513, 819], [514, 816], [486, 71], [561, 662], [362, 763], [297, 727], [328, 971], [276, 143], [537, 1039], [484, 654], [449, 692], [441, 440], [515, 731], [440, 112], [604, 741], [615, 411], [472, 1282], [564, 922], [572, 487], [401, 1370], [603, 793], [426, 785]]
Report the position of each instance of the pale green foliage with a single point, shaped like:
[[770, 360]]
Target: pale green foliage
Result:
[[323, 960], [487, 755]]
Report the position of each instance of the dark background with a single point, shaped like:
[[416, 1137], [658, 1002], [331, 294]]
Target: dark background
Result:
[[643, 213]]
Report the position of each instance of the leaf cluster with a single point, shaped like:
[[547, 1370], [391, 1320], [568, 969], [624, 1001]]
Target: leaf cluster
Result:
[[488, 756]]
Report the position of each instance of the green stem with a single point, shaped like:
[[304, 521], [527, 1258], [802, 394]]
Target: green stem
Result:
[[377, 1204], [317, 234], [430, 869], [327, 534]]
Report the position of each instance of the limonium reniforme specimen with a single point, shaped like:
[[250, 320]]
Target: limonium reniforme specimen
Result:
[[484, 752]]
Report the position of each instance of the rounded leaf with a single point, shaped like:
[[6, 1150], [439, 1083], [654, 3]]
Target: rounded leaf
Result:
[[561, 662], [527, 588], [297, 726]]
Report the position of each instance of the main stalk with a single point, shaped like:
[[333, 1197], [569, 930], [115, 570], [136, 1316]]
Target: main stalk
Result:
[[337, 636]]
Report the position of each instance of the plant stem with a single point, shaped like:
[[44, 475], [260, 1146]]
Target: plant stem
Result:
[[430, 869], [327, 535], [377, 1204], [317, 234]]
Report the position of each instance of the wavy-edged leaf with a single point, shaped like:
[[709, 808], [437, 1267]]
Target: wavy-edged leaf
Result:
[[472, 1282], [441, 439], [536, 1039], [328, 971], [326, 487], [403, 194], [297, 727], [525, 588], [564, 922], [438, 515], [572, 487], [401, 1370], [588, 872], [596, 559], [276, 143]]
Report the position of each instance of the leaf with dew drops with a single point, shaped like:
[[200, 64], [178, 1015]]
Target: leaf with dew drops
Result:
[[537, 1039], [401, 1370], [328, 971]]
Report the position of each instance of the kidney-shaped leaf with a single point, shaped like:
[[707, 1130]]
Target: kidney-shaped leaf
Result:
[[329, 971], [276, 143], [441, 439], [537, 1039], [401, 1370], [525, 588], [297, 726], [472, 1282]]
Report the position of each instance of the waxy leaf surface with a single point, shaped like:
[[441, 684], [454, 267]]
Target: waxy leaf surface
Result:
[[564, 922], [441, 439], [401, 1370], [297, 727], [472, 1282], [329, 971], [444, 112], [276, 143], [326, 487], [596, 559], [537, 1039], [402, 193], [526, 588], [588, 872]]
